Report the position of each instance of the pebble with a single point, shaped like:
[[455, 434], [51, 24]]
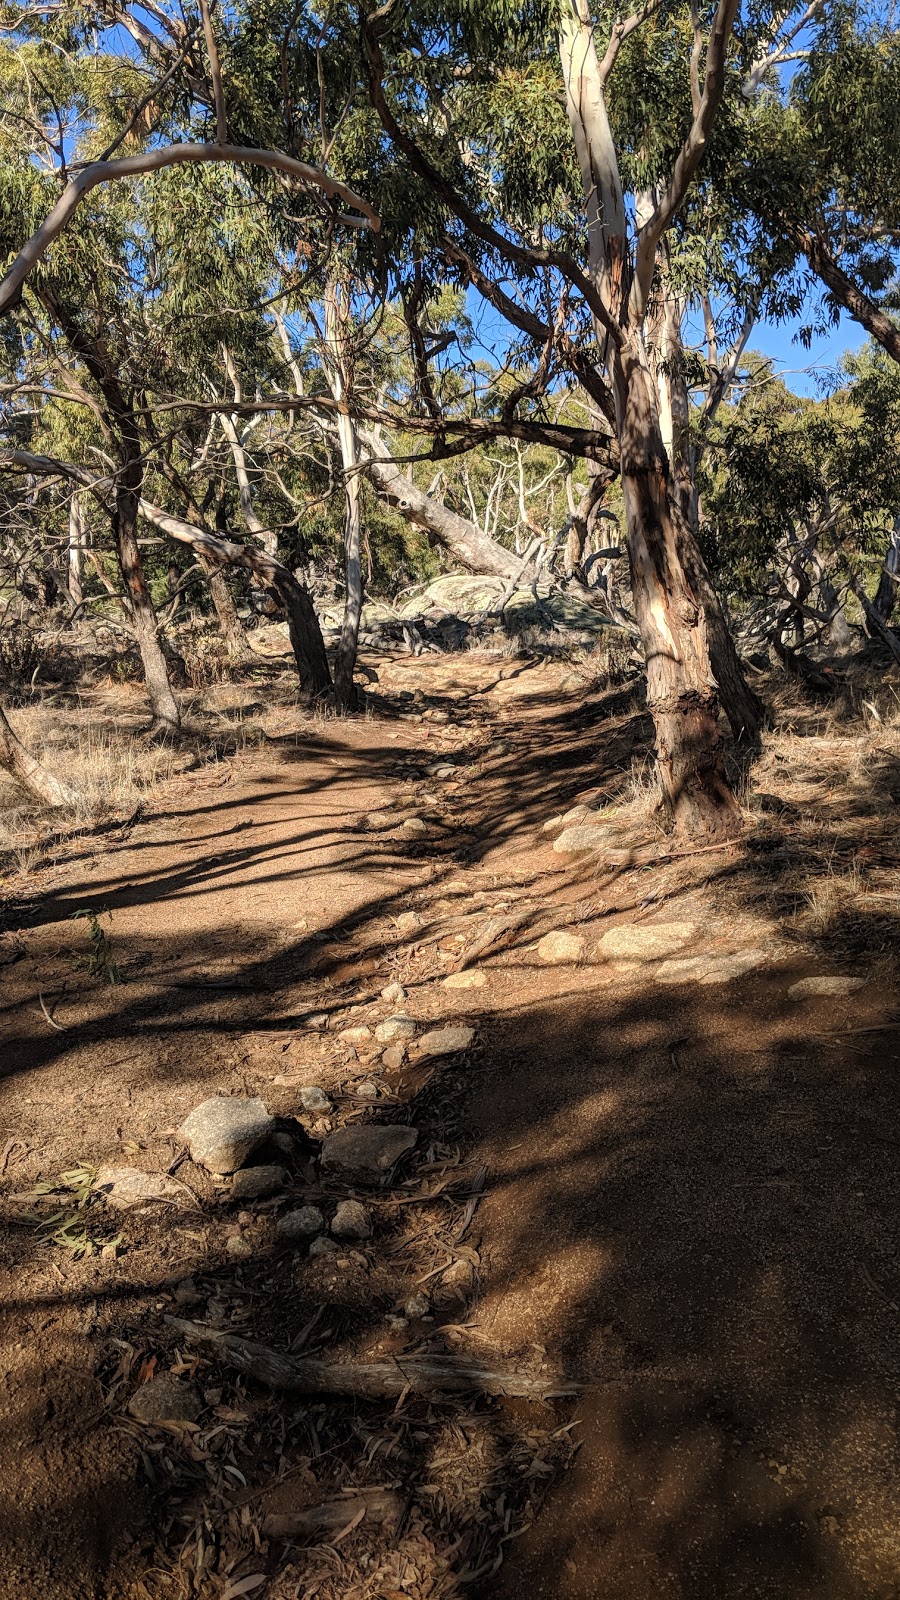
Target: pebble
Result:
[[445, 770], [455, 1284], [710, 969], [399, 1027], [821, 987], [319, 1021], [446, 1041], [295, 1227], [645, 941], [223, 1131], [367, 1089], [394, 994], [394, 1057], [414, 826], [314, 1099], [408, 922], [380, 821], [366, 1151], [323, 1246], [560, 949], [238, 1245], [552, 825], [284, 1144], [257, 1183], [351, 1221], [472, 979], [126, 1189], [417, 1306], [165, 1398]]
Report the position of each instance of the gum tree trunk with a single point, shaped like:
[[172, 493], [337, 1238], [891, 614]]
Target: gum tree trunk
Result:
[[337, 362], [40, 783], [681, 694]]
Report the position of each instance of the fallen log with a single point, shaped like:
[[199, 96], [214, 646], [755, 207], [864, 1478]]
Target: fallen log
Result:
[[384, 1506], [427, 1375]]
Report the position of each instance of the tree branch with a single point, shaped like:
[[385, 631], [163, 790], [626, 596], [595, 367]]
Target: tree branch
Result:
[[153, 161]]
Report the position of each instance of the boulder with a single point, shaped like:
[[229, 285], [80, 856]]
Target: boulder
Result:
[[224, 1131], [366, 1152]]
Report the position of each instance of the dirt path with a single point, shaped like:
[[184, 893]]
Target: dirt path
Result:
[[692, 1191]]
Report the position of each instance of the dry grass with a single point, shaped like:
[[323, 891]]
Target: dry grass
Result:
[[110, 767]]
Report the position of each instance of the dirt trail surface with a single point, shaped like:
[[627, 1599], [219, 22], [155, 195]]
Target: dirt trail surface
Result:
[[690, 1175]]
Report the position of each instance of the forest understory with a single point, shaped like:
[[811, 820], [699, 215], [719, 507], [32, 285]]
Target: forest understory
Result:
[[629, 1291]]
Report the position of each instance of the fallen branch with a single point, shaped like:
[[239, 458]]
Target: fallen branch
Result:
[[427, 1375], [496, 932], [384, 1506]]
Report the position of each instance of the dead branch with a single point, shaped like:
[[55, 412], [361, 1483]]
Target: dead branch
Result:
[[373, 1379]]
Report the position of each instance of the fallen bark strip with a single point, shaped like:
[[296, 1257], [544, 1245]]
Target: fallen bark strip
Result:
[[383, 1506], [376, 1379]]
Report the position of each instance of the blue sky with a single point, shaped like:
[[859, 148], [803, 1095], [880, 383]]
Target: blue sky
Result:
[[804, 370]]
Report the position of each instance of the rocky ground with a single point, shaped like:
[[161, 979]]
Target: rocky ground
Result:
[[422, 1177]]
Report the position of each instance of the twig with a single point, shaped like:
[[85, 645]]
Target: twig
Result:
[[57, 1025]]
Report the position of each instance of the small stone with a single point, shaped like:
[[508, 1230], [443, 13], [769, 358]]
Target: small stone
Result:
[[473, 979], [583, 840], [257, 1183], [367, 1089], [319, 1021], [446, 1041], [355, 1036], [560, 949], [455, 1285], [394, 1057], [396, 1324], [381, 821], [366, 1151], [552, 825], [284, 1080], [351, 1221], [165, 1399], [576, 814], [295, 1227], [645, 941], [224, 1131], [314, 1099], [408, 922], [399, 1027], [417, 1306], [414, 826], [821, 987], [283, 1144], [323, 1246], [394, 994], [238, 1245], [127, 1189]]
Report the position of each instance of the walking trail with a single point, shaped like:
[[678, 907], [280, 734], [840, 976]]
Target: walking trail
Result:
[[690, 1188]]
